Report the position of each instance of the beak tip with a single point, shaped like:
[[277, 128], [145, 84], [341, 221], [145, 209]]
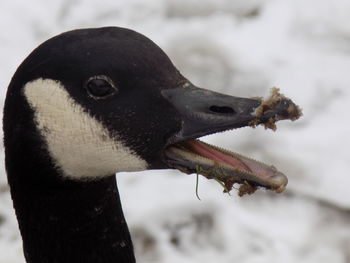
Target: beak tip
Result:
[[275, 108]]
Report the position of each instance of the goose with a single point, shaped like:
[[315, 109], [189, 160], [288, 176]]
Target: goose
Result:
[[90, 103]]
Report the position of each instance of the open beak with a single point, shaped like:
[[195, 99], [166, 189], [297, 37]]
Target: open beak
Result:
[[206, 112]]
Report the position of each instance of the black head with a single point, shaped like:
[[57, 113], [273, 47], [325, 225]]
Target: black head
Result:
[[88, 60], [93, 102]]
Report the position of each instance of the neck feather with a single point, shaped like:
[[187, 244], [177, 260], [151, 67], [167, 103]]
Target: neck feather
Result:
[[73, 222]]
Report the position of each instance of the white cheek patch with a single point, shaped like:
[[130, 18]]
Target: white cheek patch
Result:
[[80, 145]]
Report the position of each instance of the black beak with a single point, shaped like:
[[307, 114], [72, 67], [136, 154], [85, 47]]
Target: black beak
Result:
[[205, 112]]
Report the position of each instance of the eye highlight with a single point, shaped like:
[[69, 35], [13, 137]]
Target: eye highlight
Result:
[[100, 87]]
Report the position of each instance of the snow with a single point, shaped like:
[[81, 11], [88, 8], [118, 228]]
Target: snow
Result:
[[243, 48]]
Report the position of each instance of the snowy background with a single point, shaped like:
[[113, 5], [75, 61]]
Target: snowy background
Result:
[[241, 47]]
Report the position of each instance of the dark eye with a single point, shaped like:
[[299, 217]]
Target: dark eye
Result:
[[100, 87]]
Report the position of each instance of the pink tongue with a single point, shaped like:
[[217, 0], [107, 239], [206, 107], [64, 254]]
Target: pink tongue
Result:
[[215, 155]]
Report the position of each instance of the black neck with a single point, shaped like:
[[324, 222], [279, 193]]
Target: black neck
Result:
[[82, 222]]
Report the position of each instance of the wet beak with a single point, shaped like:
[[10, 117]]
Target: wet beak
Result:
[[206, 112]]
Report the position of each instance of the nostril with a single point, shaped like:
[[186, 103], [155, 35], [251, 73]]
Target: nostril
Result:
[[221, 109]]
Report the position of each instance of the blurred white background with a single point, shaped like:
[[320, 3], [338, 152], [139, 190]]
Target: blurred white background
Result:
[[244, 48]]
